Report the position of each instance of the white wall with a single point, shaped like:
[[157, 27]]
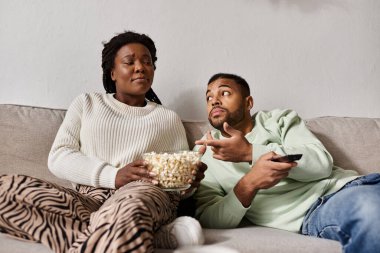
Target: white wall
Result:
[[319, 57]]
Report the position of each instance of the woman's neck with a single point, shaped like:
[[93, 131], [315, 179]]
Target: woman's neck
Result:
[[138, 101]]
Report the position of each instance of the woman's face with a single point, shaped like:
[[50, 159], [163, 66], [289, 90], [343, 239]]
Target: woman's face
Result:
[[133, 72]]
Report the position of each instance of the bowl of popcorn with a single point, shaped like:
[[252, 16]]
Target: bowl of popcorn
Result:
[[173, 169]]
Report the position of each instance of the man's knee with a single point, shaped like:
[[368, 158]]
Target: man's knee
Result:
[[367, 207]]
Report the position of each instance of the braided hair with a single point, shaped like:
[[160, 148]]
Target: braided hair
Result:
[[109, 53]]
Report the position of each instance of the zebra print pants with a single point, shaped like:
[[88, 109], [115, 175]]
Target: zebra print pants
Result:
[[87, 220]]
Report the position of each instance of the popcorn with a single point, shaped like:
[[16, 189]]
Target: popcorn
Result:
[[173, 170]]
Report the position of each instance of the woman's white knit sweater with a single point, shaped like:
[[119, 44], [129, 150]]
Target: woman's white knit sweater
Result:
[[100, 135]]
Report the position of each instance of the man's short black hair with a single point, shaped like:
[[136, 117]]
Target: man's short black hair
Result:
[[245, 91]]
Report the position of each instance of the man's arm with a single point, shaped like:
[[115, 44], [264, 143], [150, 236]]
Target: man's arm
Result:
[[218, 209], [215, 208], [66, 160], [293, 137], [288, 134], [263, 175]]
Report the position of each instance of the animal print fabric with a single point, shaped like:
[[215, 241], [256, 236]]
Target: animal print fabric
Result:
[[86, 220]]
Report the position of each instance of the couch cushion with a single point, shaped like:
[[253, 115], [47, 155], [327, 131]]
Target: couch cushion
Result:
[[195, 130], [354, 143], [265, 240], [12, 245], [26, 135], [244, 240]]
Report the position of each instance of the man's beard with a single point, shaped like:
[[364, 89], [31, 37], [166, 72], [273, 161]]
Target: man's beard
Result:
[[232, 118]]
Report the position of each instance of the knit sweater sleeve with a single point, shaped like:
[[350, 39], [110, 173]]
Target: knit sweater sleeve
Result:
[[288, 134], [66, 161]]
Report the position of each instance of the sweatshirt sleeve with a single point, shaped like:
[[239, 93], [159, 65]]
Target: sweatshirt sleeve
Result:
[[215, 207], [66, 161], [289, 135]]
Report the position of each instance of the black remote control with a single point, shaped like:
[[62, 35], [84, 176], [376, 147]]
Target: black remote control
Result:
[[287, 158]]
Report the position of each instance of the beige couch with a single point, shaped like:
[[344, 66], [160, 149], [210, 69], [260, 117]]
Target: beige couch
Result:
[[26, 135]]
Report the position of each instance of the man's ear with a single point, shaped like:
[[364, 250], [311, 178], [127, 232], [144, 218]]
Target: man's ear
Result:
[[249, 102]]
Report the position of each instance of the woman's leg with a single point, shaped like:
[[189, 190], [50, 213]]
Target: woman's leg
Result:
[[350, 216], [40, 211], [127, 221]]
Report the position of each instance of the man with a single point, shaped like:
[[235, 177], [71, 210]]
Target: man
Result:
[[310, 196]]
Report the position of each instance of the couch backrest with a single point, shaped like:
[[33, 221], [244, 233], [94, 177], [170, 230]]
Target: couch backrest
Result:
[[354, 143], [27, 133]]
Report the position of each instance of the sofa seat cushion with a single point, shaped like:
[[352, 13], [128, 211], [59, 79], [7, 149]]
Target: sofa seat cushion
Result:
[[11, 245], [244, 240]]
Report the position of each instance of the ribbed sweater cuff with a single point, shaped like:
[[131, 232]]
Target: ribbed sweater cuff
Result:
[[237, 209], [107, 177]]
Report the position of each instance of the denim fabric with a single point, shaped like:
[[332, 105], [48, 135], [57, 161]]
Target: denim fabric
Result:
[[350, 215]]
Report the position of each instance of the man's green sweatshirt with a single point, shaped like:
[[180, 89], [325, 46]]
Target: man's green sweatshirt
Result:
[[284, 205]]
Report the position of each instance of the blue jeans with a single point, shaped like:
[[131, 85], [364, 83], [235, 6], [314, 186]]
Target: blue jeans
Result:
[[350, 216]]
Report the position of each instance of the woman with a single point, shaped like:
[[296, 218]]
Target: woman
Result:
[[116, 206]]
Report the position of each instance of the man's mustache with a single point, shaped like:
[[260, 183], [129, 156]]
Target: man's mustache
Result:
[[217, 107]]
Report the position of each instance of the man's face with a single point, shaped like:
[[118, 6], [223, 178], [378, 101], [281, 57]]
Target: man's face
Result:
[[225, 103]]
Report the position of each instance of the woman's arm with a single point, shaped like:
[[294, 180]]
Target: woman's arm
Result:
[[66, 161]]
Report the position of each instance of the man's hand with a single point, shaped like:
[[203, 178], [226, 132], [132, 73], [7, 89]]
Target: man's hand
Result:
[[235, 148], [134, 171], [263, 175]]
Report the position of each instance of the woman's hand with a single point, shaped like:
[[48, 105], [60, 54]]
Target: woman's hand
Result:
[[198, 175], [134, 171]]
